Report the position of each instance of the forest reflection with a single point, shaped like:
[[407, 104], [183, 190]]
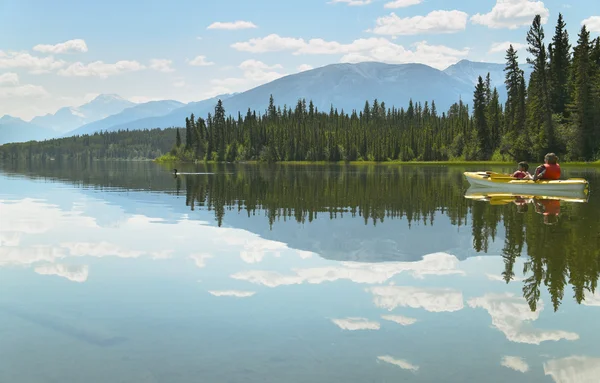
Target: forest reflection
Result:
[[559, 239], [559, 236]]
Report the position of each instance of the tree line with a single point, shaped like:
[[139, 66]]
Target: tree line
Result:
[[556, 110]]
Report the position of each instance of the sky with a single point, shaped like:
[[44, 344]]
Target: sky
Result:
[[65, 54]]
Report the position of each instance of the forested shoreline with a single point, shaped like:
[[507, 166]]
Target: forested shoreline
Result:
[[558, 111]]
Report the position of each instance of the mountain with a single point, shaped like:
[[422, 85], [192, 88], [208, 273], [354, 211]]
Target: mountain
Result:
[[469, 71], [346, 86], [176, 117], [137, 112], [14, 129], [69, 118]]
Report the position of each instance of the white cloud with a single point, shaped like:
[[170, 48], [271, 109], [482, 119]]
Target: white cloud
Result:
[[270, 43], [99, 249], [352, 2], [232, 25], [403, 364], [143, 99], [500, 278], [73, 273], [357, 272], [573, 369], [100, 69], [512, 316], [592, 23], [10, 87], [512, 14], [434, 22], [200, 61], [370, 49], [515, 363], [402, 3], [71, 46], [304, 67], [200, 259], [430, 299], [503, 46], [232, 293], [34, 64], [404, 321], [162, 65], [254, 73], [9, 79], [353, 324]]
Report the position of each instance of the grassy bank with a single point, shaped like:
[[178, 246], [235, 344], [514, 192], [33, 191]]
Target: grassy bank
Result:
[[169, 158]]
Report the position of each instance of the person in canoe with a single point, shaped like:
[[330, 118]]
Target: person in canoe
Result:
[[522, 172], [550, 170]]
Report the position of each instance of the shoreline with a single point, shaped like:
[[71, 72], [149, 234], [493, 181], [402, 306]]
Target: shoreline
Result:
[[375, 163]]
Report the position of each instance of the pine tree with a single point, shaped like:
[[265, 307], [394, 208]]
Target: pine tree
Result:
[[479, 114], [539, 113], [560, 61], [178, 139], [188, 134], [582, 107]]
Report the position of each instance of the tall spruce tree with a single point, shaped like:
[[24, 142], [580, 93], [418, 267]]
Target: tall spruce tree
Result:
[[178, 139], [560, 61], [584, 140], [481, 127], [539, 113]]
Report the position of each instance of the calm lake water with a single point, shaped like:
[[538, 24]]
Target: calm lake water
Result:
[[121, 272]]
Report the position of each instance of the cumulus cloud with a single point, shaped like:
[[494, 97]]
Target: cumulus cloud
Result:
[[357, 272], [100, 69], [573, 369], [403, 364], [592, 23], [402, 3], [500, 278], [515, 363], [434, 22], [512, 14], [200, 61], [200, 259], [9, 79], [503, 46], [430, 299], [162, 65], [352, 2], [232, 25], [34, 64], [512, 316], [73, 273], [255, 73], [232, 293], [353, 324], [404, 321], [10, 87], [71, 46], [370, 49], [304, 67]]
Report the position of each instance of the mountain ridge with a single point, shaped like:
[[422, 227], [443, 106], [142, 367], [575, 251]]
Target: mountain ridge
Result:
[[345, 86]]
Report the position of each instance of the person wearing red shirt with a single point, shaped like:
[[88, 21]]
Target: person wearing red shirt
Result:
[[522, 173]]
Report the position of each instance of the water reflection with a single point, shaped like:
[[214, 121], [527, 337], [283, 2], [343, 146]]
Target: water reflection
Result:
[[374, 273]]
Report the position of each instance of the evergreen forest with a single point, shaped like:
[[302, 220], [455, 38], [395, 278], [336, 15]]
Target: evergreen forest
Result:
[[556, 110]]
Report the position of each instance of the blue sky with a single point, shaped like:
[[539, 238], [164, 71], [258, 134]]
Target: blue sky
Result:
[[65, 54]]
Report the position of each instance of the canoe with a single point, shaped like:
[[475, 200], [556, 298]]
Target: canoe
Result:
[[501, 198], [506, 183]]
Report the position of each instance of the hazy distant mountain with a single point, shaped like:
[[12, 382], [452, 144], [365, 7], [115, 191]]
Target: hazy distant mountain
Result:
[[176, 117], [469, 71], [137, 112], [69, 118], [346, 86], [14, 129]]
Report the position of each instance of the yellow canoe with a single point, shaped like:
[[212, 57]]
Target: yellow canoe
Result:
[[506, 183]]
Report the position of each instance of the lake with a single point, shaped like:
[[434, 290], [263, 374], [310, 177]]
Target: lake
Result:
[[123, 272]]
